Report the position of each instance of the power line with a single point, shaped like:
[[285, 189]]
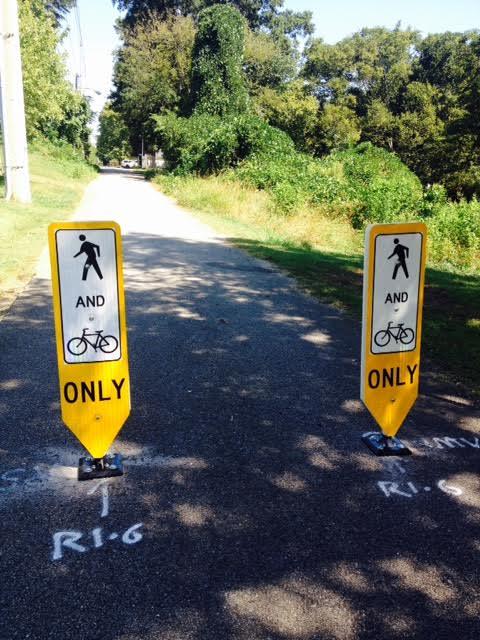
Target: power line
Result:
[[82, 66]]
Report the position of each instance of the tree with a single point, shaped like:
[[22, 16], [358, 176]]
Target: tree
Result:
[[293, 110], [267, 63], [59, 8], [52, 107], [419, 98], [44, 82], [380, 125], [373, 64], [338, 128], [113, 140], [152, 72], [450, 63], [74, 125], [260, 14], [218, 83]]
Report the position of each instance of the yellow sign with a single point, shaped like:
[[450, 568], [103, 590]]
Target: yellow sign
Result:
[[90, 327], [393, 280]]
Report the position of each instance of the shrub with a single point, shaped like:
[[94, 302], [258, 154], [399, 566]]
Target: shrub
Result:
[[205, 144], [434, 196], [292, 178], [372, 184], [384, 188], [454, 225]]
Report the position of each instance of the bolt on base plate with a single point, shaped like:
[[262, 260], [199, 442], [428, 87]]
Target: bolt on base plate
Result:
[[382, 445], [106, 467]]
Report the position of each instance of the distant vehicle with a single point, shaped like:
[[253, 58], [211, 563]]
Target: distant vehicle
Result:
[[129, 164]]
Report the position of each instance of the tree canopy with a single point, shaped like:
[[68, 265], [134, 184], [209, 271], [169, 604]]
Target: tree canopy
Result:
[[417, 97], [59, 8], [52, 107], [266, 14], [152, 72], [218, 83]]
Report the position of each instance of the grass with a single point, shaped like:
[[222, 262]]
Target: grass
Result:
[[58, 180], [325, 255]]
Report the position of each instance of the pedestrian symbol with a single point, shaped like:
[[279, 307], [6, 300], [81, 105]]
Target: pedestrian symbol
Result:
[[92, 251], [402, 254]]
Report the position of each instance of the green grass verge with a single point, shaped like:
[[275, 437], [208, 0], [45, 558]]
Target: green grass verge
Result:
[[325, 255], [58, 179]]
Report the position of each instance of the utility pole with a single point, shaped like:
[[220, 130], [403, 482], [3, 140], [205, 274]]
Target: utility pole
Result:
[[17, 179]]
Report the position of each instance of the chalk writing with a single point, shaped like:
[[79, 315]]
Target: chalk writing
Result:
[[446, 442], [105, 505], [410, 490], [63, 540], [441, 442]]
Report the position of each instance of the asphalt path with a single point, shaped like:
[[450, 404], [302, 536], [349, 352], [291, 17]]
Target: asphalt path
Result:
[[250, 509]]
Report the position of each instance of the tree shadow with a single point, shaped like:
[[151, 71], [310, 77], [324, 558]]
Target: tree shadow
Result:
[[451, 323], [266, 520], [129, 174]]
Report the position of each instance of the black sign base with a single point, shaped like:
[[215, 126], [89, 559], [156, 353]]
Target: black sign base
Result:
[[384, 446], [106, 467]]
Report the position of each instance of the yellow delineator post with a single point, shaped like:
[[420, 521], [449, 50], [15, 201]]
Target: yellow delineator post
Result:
[[90, 327], [393, 282]]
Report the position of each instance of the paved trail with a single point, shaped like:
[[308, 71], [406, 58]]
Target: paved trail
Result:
[[250, 509]]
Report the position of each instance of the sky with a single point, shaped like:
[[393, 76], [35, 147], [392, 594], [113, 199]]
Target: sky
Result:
[[333, 21], [337, 19]]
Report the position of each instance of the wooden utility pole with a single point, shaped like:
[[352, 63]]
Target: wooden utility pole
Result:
[[12, 107]]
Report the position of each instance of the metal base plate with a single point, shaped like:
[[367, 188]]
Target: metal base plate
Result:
[[106, 467], [383, 446]]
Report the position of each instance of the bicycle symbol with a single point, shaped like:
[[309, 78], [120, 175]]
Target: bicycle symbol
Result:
[[383, 337], [77, 346]]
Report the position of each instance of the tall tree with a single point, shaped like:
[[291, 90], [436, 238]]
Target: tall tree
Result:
[[419, 98], [266, 14], [59, 8], [450, 62], [113, 141], [152, 71], [52, 107], [218, 83], [293, 110], [373, 64]]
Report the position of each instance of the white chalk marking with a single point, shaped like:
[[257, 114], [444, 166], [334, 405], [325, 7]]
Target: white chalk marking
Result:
[[69, 539], [96, 486], [105, 507], [446, 442], [451, 443], [66, 539], [390, 488], [97, 537], [412, 487], [395, 465], [448, 488], [131, 536], [475, 444]]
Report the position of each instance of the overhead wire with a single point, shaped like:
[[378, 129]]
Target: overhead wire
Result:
[[83, 66]]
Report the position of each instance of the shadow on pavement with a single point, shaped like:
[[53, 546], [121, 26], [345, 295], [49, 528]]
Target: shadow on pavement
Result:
[[270, 522]]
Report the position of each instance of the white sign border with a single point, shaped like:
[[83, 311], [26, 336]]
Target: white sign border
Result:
[[118, 298], [379, 235]]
